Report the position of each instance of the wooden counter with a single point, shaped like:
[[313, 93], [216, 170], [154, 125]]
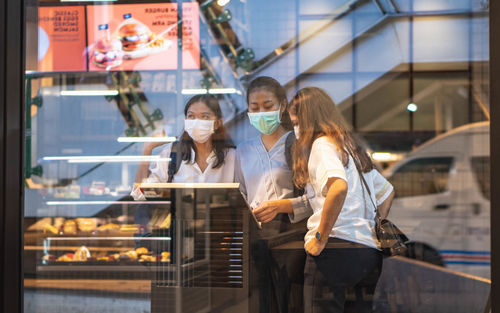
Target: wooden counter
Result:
[[103, 285]]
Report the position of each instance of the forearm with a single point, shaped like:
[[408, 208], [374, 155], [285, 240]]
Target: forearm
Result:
[[385, 206], [334, 202], [284, 205], [143, 168]]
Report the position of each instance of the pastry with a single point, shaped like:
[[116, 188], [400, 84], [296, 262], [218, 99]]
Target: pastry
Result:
[[141, 250], [82, 254], [70, 227], [108, 227], [165, 257], [86, 224]]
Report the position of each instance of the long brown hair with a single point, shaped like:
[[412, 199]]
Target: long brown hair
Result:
[[221, 141], [318, 116], [273, 86]]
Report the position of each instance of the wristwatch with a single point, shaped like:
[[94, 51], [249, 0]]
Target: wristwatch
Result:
[[319, 237]]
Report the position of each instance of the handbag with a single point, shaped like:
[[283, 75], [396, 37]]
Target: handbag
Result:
[[392, 240]]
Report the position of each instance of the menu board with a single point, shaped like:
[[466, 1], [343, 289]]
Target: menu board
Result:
[[129, 37], [61, 39]]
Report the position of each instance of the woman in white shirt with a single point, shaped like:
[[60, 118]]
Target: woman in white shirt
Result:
[[341, 243], [205, 150]]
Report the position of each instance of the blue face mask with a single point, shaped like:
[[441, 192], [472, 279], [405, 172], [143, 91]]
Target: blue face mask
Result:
[[265, 122]]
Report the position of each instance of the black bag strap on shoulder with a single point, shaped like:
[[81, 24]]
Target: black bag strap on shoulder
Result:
[[175, 161], [365, 185], [290, 140]]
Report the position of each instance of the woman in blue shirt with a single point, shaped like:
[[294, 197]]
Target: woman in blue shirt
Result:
[[266, 180]]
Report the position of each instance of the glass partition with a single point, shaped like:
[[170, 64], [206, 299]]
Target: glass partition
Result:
[[109, 86]]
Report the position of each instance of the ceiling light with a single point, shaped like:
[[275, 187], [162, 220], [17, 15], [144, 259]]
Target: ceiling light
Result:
[[194, 91], [385, 156], [107, 158], [89, 92], [412, 107], [215, 91], [223, 2], [146, 139], [103, 202]]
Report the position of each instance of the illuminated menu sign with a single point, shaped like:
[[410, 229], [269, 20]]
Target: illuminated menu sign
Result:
[[61, 39], [128, 37]]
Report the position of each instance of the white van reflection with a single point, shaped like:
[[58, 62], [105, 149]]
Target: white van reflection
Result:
[[443, 199]]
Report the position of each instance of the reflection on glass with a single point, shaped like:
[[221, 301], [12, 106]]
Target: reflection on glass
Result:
[[104, 78]]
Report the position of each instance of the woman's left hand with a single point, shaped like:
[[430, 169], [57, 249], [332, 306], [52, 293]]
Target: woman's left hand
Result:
[[268, 210], [314, 247]]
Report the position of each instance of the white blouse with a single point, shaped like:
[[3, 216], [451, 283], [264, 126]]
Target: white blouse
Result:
[[189, 171], [356, 219], [264, 175]]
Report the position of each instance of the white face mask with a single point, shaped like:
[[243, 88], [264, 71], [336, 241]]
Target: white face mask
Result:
[[199, 130], [296, 131]]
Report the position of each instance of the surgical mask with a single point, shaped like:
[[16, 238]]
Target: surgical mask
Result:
[[199, 130], [296, 131], [265, 122]]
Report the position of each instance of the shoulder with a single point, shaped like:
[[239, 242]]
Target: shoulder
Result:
[[324, 143], [165, 150], [376, 175], [324, 150], [230, 153]]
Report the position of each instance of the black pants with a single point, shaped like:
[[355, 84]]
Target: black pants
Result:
[[328, 276]]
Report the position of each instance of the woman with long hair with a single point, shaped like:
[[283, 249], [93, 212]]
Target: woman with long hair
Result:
[[263, 169], [341, 245], [204, 149]]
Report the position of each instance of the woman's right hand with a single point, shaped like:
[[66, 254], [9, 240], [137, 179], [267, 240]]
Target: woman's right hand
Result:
[[148, 147], [314, 247], [268, 210]]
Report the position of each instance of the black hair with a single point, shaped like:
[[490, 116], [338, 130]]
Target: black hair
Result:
[[273, 86], [221, 141]]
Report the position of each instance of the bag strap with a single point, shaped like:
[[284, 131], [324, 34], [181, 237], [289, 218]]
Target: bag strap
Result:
[[365, 185], [175, 161], [290, 140]]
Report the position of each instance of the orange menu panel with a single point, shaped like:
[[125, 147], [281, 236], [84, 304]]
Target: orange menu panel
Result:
[[61, 39], [132, 37], [129, 37]]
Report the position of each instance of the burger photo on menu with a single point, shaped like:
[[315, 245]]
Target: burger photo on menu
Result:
[[139, 41], [134, 36], [108, 53]]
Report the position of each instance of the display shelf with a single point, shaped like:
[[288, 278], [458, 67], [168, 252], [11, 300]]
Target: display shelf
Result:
[[73, 248]]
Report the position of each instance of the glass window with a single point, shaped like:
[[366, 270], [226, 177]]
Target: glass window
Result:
[[421, 177], [481, 170], [134, 109]]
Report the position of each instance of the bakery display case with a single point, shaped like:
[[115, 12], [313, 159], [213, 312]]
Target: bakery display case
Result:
[[135, 238], [187, 241]]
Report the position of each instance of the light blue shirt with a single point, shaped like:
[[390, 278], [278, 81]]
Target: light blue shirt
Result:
[[264, 175]]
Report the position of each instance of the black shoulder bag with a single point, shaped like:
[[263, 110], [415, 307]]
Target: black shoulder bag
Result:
[[392, 239]]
